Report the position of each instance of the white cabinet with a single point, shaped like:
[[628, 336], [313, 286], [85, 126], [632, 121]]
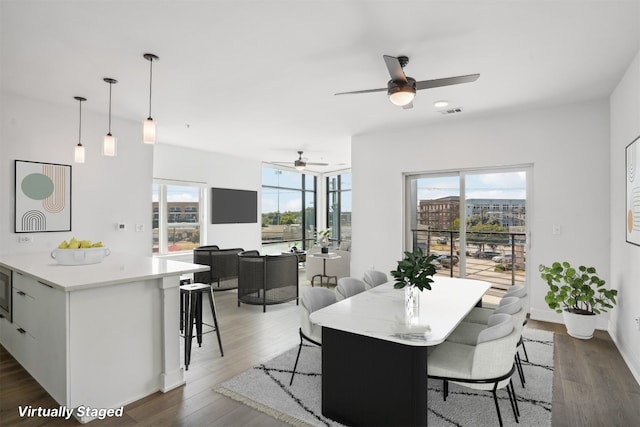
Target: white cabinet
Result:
[[38, 337]]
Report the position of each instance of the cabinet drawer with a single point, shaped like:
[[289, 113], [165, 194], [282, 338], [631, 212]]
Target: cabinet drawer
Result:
[[25, 312], [24, 284], [23, 347]]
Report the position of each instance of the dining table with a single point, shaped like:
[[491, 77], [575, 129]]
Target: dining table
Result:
[[375, 349]]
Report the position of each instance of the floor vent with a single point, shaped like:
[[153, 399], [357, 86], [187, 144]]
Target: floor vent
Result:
[[451, 111]]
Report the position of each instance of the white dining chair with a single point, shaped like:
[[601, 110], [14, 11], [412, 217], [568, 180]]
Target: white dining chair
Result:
[[312, 299], [486, 365], [348, 287], [373, 278]]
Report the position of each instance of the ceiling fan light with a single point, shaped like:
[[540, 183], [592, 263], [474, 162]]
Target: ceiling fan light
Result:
[[149, 133], [299, 167], [402, 95]]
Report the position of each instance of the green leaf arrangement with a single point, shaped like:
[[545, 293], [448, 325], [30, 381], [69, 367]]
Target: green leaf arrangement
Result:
[[576, 290], [415, 269]]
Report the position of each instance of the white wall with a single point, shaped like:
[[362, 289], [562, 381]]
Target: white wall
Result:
[[105, 190], [625, 257], [215, 170], [567, 145]]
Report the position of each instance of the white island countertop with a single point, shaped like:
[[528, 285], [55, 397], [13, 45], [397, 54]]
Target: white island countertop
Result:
[[117, 268]]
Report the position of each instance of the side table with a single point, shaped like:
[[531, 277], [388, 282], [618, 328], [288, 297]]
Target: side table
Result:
[[325, 257]]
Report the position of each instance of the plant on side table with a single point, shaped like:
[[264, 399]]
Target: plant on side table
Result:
[[322, 238], [579, 294]]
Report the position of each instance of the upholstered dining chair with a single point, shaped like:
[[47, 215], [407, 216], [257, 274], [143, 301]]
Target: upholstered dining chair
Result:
[[312, 299], [481, 315], [486, 365], [348, 287], [373, 278]]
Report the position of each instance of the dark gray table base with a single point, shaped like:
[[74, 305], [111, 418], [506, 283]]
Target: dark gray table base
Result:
[[367, 381]]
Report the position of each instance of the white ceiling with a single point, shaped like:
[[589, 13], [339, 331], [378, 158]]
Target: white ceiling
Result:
[[257, 78]]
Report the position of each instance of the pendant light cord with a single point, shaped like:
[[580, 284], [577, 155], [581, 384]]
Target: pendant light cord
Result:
[[110, 84], [150, 82], [80, 126]]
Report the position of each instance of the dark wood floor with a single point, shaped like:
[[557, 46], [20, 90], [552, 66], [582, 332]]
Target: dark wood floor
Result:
[[592, 385]]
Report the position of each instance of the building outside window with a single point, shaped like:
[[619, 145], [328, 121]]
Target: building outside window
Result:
[[339, 206], [178, 216], [288, 209]]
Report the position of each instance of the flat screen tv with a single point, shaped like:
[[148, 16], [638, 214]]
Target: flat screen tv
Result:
[[230, 206]]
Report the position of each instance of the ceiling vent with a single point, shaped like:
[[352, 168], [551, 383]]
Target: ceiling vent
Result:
[[451, 110]]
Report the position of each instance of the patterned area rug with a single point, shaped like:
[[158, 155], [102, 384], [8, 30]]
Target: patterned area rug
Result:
[[266, 388]]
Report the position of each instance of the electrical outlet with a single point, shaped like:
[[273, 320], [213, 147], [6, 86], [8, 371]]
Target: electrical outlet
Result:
[[139, 228], [637, 319], [25, 239]]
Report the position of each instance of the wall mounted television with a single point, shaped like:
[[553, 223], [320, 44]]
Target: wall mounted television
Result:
[[230, 206]]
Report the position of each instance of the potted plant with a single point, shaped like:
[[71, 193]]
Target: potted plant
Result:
[[322, 239], [579, 294], [414, 273]]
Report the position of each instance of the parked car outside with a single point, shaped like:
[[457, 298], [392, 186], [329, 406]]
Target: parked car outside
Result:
[[446, 260], [485, 254], [502, 258]]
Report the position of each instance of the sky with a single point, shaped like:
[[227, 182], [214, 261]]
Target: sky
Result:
[[505, 185]]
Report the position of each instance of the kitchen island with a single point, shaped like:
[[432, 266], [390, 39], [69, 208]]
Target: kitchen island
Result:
[[96, 336]]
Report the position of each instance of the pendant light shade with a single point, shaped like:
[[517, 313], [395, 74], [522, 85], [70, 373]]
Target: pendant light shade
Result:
[[79, 150], [109, 145], [149, 131]]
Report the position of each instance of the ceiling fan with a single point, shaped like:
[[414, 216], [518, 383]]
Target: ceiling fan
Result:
[[402, 89], [300, 163]]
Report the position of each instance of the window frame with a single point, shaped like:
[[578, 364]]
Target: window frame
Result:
[[163, 214]]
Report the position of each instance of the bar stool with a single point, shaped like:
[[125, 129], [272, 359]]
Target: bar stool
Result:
[[191, 300]]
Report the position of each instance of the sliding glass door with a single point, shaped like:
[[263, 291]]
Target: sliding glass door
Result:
[[475, 221]]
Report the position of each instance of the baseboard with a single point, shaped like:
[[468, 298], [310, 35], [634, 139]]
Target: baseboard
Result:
[[627, 359]]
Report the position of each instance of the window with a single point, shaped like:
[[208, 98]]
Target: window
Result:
[[339, 206], [479, 230], [288, 209], [178, 216]]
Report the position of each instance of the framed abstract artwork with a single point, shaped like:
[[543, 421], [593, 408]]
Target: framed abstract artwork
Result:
[[42, 197], [632, 156]]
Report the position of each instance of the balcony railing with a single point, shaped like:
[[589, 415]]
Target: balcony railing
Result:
[[496, 257]]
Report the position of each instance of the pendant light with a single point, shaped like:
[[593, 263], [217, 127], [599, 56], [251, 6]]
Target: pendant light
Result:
[[149, 133], [109, 146], [79, 151]]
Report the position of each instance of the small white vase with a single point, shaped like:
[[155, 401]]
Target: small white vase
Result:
[[580, 325]]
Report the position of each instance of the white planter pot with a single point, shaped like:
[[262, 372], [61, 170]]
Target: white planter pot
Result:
[[579, 325]]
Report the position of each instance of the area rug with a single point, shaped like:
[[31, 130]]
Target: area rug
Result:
[[266, 388]]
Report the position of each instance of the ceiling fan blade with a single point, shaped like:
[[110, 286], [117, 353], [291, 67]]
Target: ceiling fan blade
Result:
[[317, 164], [408, 106], [447, 81], [395, 69], [362, 91]]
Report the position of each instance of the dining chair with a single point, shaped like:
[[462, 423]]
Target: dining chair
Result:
[[480, 315], [373, 278], [312, 299], [486, 365], [348, 287]]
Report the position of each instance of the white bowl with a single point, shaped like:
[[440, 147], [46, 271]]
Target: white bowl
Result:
[[81, 256]]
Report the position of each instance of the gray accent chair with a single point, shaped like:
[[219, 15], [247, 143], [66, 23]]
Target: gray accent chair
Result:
[[373, 278], [348, 287], [267, 279], [312, 299], [223, 267], [486, 365]]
